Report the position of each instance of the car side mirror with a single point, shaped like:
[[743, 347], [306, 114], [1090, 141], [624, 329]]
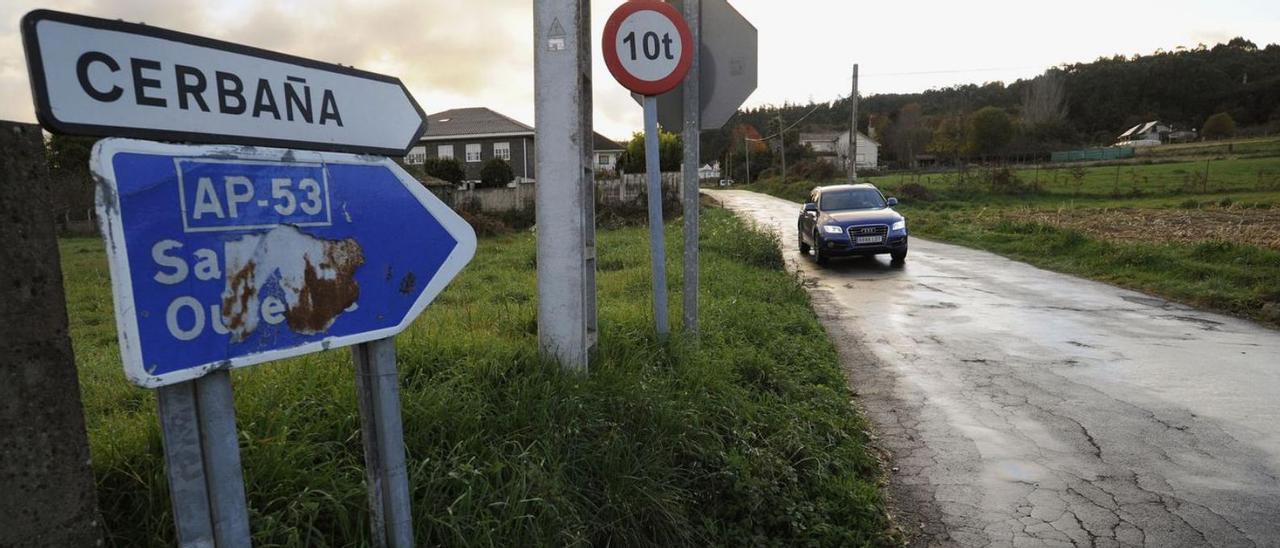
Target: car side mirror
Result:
[[810, 207], [893, 202]]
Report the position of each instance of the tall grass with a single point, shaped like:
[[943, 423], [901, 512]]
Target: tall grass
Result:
[[747, 438]]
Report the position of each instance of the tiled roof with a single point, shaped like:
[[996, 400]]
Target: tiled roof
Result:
[[600, 142], [462, 122], [471, 121]]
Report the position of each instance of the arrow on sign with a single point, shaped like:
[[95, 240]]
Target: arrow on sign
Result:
[[224, 257], [93, 76]]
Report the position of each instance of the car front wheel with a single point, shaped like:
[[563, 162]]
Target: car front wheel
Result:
[[804, 247], [817, 251], [899, 257]]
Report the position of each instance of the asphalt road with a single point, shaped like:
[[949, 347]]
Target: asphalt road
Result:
[[1022, 407]]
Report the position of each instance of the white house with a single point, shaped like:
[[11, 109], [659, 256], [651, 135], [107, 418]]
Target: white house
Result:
[[1147, 134], [833, 147], [709, 171], [866, 156], [607, 152]]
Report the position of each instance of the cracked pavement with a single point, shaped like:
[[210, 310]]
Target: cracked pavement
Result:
[[1022, 407]]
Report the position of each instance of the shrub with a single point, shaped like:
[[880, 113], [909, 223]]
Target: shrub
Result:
[[445, 169], [1219, 126], [815, 170], [496, 173], [1003, 181], [916, 192]]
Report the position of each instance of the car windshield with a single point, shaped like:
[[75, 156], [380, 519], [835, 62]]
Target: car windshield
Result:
[[856, 198]]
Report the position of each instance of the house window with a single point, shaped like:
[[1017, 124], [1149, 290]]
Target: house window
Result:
[[502, 150], [444, 151], [473, 152], [416, 156], [603, 159]]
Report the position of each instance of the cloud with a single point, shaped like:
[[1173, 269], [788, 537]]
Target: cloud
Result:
[[456, 53]]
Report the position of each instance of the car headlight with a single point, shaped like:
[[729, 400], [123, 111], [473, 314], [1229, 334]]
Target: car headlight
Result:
[[832, 229], [900, 225]]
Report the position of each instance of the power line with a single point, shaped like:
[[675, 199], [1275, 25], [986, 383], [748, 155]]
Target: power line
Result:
[[794, 124], [955, 71]]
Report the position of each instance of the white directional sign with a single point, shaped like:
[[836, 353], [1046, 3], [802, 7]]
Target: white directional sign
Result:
[[93, 76], [646, 46]]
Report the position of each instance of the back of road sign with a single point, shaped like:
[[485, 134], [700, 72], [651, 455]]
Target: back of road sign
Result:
[[225, 256], [727, 68]]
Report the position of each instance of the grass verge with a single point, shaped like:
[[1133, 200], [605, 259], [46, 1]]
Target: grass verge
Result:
[[747, 439], [1223, 275]]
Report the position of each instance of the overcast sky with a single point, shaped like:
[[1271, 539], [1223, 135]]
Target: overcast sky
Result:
[[458, 53]]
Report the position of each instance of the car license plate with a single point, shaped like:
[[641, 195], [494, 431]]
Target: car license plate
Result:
[[869, 239]]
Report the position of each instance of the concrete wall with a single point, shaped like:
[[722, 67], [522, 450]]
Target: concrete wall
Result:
[[47, 493], [610, 192]]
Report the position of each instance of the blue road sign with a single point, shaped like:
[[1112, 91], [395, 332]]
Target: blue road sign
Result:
[[226, 256]]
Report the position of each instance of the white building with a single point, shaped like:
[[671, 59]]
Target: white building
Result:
[[1148, 134], [607, 153], [867, 156], [834, 147], [709, 171]]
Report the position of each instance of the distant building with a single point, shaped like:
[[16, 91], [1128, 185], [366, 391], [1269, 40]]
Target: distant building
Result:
[[709, 171], [833, 147], [866, 157], [823, 145], [1145, 134], [607, 153], [476, 135]]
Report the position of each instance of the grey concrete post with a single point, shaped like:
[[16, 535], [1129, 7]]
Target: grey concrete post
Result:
[[565, 200], [47, 493], [692, 160]]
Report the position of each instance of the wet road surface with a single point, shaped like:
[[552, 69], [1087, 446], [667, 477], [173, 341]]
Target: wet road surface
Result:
[[1027, 408]]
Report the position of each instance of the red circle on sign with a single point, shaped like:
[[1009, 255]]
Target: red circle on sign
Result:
[[630, 81]]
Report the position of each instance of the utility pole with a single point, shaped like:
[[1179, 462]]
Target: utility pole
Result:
[[48, 491], [746, 145], [782, 146], [853, 128], [692, 160], [565, 201]]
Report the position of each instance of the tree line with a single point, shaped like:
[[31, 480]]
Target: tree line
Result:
[[1236, 83]]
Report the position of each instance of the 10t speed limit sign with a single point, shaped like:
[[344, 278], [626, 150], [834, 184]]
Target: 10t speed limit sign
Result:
[[647, 46]]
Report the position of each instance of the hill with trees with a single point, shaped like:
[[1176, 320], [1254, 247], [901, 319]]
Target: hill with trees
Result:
[[1072, 105]]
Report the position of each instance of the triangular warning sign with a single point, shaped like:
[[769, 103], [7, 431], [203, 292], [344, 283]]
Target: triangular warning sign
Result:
[[556, 29]]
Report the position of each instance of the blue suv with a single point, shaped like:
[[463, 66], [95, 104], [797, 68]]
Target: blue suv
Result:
[[852, 220]]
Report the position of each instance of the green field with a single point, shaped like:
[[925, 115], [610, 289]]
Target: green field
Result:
[[1267, 146], [749, 438], [1133, 225], [1119, 180]]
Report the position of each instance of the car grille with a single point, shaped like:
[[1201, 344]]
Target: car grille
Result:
[[869, 230]]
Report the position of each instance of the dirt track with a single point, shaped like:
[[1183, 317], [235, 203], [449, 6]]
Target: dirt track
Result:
[[1024, 407]]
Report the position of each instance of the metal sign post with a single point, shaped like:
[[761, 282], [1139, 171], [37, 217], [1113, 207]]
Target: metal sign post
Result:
[[692, 162], [648, 49], [722, 76]]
